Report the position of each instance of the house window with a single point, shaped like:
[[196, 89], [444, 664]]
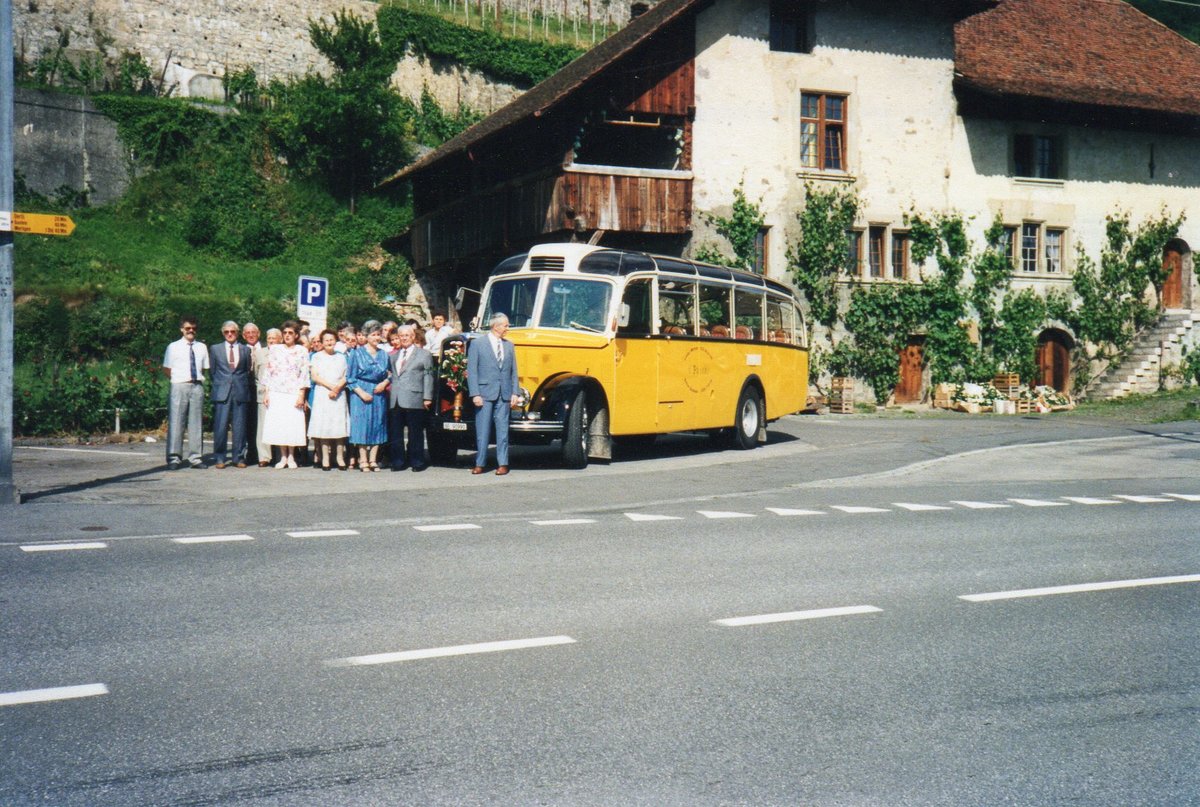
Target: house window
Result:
[[875, 251], [1009, 245], [1037, 156], [1054, 241], [900, 256], [823, 131], [760, 250], [854, 240], [791, 26], [1029, 247]]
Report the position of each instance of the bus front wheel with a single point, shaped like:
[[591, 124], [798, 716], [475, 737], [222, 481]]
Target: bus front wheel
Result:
[[748, 420], [575, 433]]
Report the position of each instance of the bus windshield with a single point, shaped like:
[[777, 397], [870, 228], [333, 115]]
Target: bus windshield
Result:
[[577, 304], [514, 298]]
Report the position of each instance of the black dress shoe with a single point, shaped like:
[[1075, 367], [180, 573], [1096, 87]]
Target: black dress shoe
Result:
[[174, 465], [419, 468], [400, 467]]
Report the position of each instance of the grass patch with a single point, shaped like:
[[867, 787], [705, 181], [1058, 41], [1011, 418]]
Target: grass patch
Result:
[[1159, 407]]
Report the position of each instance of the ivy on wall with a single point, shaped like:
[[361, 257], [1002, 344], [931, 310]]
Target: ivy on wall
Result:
[[508, 59], [740, 228]]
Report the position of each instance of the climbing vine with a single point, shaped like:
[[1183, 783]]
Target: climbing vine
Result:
[[740, 228]]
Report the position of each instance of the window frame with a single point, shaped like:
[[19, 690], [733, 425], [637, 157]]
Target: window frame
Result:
[[900, 264], [823, 125], [1038, 156], [876, 252]]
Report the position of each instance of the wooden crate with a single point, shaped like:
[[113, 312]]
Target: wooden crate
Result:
[[1025, 407], [1007, 384], [841, 395]]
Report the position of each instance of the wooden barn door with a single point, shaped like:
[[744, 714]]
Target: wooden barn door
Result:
[[1172, 292], [912, 369]]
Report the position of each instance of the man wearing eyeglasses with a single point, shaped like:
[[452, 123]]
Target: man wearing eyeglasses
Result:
[[232, 395], [185, 362]]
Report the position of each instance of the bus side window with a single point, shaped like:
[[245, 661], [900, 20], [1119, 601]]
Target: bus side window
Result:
[[637, 297], [676, 306], [714, 310], [747, 314], [774, 328], [791, 325]]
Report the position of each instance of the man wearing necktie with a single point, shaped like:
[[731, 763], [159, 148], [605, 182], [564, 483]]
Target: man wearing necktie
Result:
[[185, 362], [232, 395], [492, 382], [410, 397]]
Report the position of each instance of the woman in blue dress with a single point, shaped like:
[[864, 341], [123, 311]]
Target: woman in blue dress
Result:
[[367, 378]]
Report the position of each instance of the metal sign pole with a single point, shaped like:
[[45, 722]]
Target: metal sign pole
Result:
[[8, 491]]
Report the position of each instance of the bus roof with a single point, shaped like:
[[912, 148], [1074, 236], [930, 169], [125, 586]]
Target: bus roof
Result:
[[589, 259]]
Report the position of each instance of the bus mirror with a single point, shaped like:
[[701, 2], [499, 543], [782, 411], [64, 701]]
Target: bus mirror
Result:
[[460, 297], [623, 317]]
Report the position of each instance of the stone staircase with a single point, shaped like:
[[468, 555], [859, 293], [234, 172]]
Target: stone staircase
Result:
[[1162, 344]]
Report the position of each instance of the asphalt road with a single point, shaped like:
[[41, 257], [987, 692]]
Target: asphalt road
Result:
[[783, 626]]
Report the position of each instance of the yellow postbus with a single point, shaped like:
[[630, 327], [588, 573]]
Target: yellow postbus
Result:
[[620, 345]]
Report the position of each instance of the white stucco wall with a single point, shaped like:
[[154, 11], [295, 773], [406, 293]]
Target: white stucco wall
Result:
[[907, 147]]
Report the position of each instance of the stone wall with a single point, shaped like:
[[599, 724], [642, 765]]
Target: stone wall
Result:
[[62, 140], [192, 45]]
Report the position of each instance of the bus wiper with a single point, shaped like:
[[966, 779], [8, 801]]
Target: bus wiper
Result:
[[583, 327]]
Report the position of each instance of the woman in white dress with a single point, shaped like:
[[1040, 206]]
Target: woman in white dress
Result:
[[287, 383], [329, 423]]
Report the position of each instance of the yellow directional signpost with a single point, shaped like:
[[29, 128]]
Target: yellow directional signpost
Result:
[[40, 224]]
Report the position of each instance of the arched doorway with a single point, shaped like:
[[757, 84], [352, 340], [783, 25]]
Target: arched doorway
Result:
[[1175, 255], [1054, 359]]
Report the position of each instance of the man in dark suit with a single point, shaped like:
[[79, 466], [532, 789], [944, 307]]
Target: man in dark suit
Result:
[[231, 369], [410, 397], [492, 382]]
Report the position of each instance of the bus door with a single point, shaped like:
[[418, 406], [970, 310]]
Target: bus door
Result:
[[635, 404], [684, 369]]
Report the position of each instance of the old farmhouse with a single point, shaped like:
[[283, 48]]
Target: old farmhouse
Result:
[[1051, 114]]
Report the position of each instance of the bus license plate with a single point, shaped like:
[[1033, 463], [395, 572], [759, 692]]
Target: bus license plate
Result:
[[454, 427]]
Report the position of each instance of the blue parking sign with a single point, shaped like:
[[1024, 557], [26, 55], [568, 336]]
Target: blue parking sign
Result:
[[314, 292]]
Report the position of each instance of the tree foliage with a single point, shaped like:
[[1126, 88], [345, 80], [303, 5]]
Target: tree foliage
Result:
[[348, 129]]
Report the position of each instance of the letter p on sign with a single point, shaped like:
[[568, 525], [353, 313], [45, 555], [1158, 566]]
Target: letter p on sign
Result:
[[312, 298]]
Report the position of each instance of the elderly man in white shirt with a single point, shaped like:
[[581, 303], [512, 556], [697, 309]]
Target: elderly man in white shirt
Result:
[[185, 361]]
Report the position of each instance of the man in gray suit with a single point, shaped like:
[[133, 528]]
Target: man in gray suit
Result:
[[410, 397], [231, 369], [492, 382]]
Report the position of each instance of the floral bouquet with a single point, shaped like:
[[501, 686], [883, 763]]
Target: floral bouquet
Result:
[[453, 368]]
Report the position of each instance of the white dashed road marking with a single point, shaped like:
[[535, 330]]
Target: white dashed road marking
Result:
[[1187, 497], [1038, 503], [980, 505], [859, 510], [1089, 500], [64, 547], [52, 694], [212, 539], [321, 533], [563, 522], [442, 652], [793, 616], [1143, 499], [1080, 587], [724, 514], [788, 511], [445, 527], [651, 517], [919, 508]]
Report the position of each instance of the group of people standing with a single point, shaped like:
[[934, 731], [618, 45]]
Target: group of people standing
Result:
[[364, 387]]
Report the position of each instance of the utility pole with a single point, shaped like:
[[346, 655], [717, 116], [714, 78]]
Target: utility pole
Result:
[[8, 491]]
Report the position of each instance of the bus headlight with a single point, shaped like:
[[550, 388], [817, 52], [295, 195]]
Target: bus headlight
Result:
[[522, 399]]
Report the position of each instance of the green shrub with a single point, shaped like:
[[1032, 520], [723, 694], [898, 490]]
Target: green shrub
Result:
[[62, 397]]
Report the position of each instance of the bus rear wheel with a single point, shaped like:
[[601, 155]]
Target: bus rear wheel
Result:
[[575, 433], [748, 420]]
